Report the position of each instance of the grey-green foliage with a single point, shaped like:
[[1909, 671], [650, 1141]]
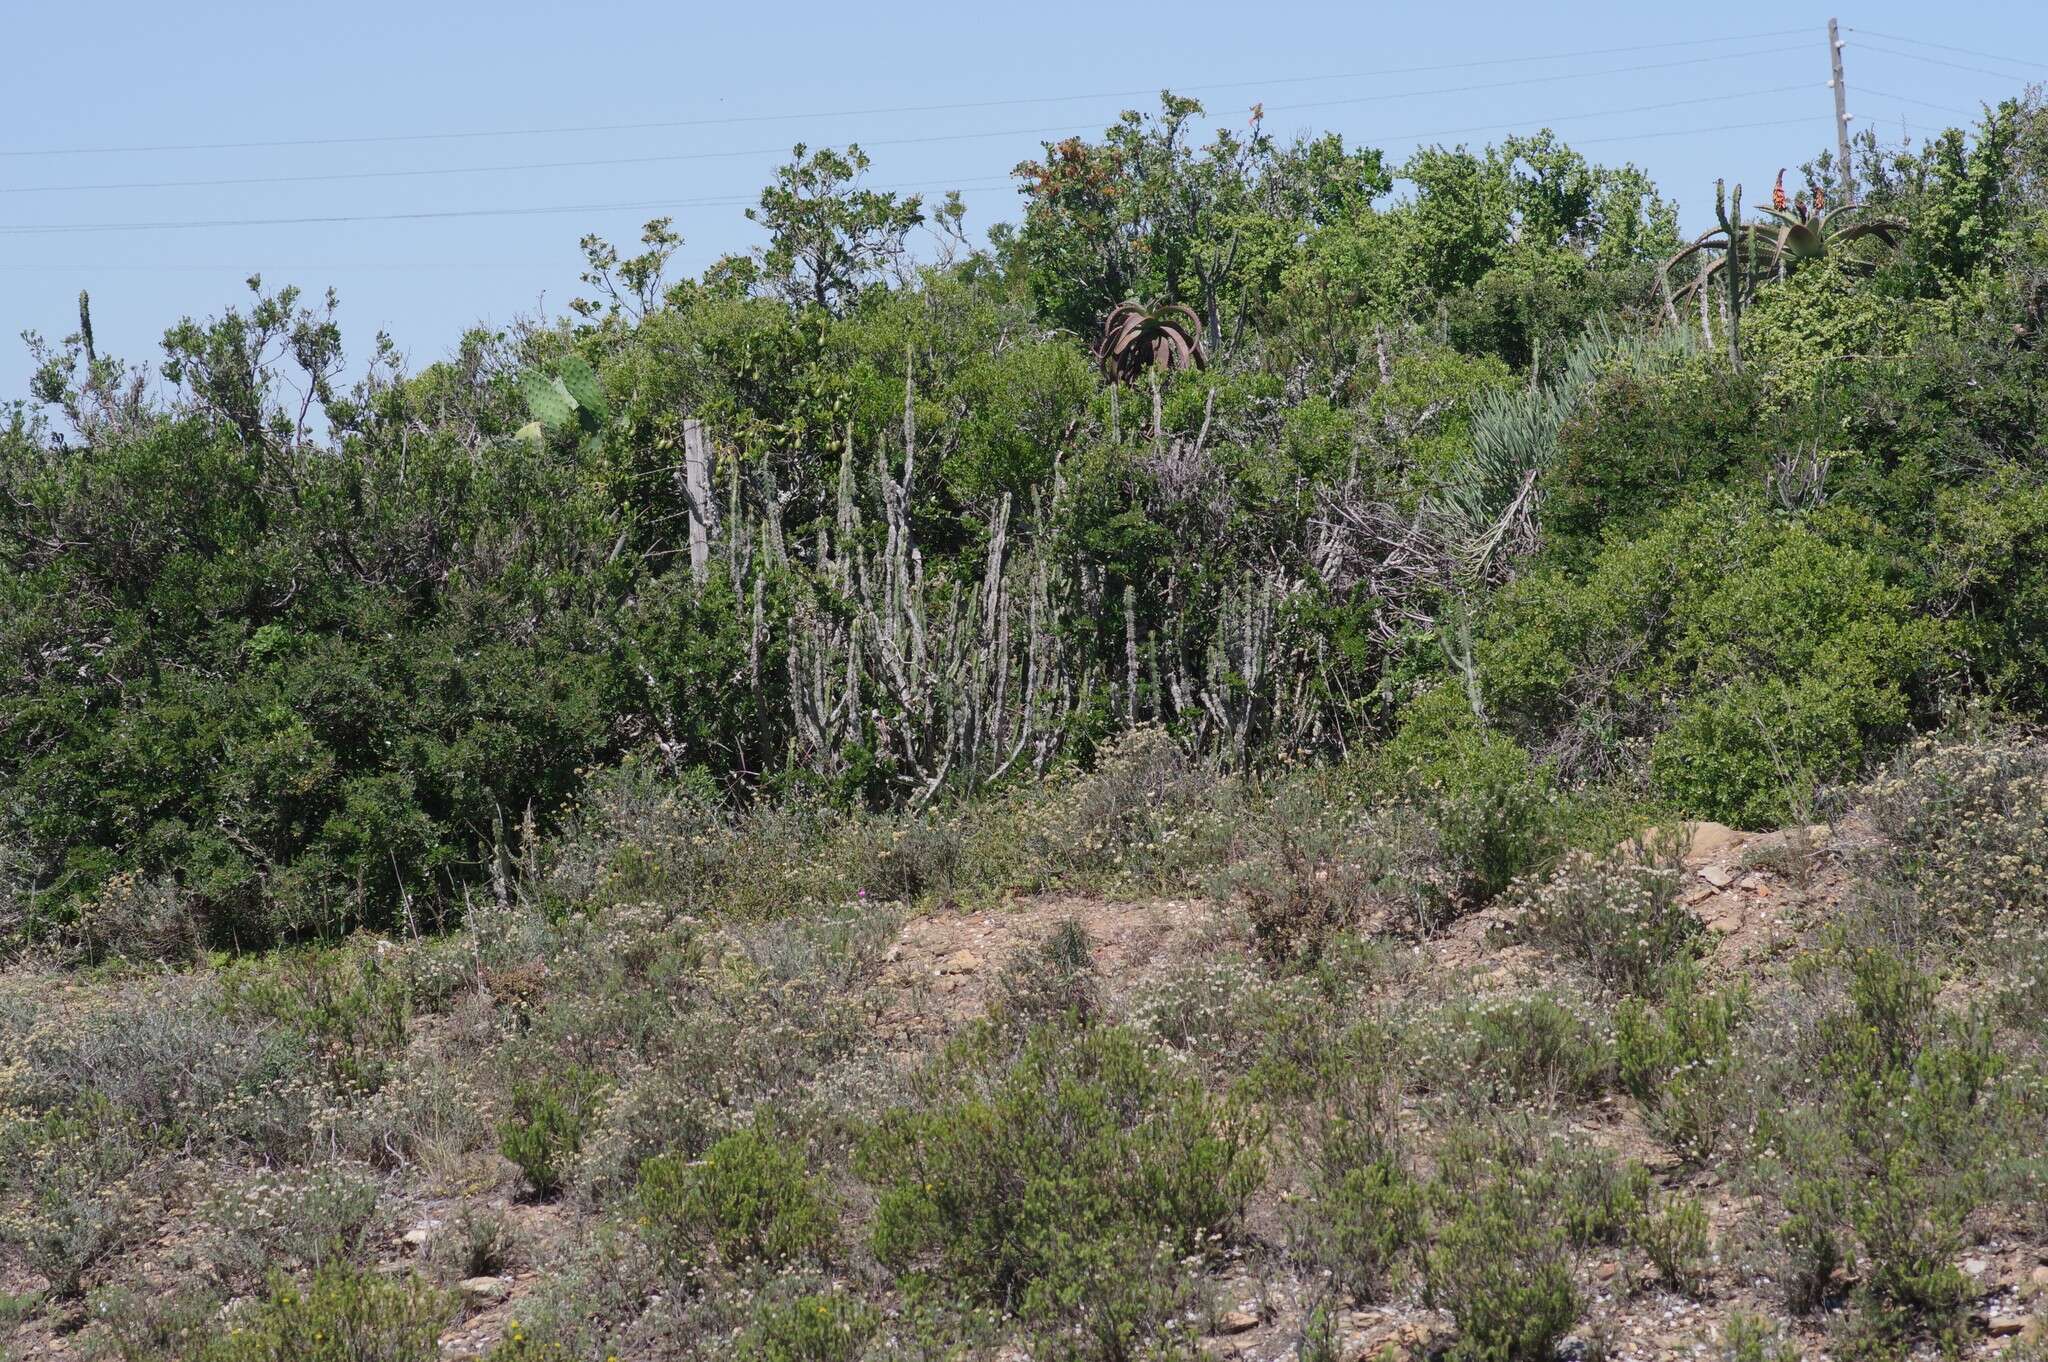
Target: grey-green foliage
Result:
[[1486, 501]]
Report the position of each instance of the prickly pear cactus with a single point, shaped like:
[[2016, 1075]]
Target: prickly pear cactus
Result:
[[548, 400], [575, 376]]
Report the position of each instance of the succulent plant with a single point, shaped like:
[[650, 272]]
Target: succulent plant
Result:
[[568, 398], [1137, 337], [1787, 237]]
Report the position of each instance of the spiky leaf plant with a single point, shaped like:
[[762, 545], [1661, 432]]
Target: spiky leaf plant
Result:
[[1137, 337]]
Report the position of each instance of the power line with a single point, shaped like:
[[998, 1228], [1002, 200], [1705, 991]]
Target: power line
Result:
[[664, 158], [1924, 103], [966, 185], [890, 109], [1595, 113], [1688, 132], [1944, 47], [719, 201], [1939, 61]]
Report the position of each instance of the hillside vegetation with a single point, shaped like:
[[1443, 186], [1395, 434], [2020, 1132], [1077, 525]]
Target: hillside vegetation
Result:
[[1263, 767]]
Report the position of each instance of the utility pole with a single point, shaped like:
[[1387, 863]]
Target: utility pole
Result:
[[1841, 112]]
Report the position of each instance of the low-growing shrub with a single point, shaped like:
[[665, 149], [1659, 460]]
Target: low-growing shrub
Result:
[[751, 1197], [1358, 1224], [545, 1129], [1678, 1059], [1620, 917], [1146, 813], [828, 1326], [1966, 825], [1672, 1232], [144, 920], [1527, 1048], [1054, 980], [1502, 1268], [342, 1315], [477, 1241], [1022, 1178], [290, 1218]]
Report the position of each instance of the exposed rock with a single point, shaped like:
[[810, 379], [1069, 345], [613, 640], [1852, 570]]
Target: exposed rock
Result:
[[485, 1290], [960, 962], [1236, 1322], [1718, 876], [2005, 1326], [1708, 838]]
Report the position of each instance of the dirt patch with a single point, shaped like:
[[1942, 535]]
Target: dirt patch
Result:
[[940, 972]]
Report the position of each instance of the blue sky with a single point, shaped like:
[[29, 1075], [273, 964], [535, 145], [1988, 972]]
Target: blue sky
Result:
[[739, 83]]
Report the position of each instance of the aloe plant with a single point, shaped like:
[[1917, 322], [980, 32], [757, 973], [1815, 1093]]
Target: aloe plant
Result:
[[1137, 337], [1788, 237]]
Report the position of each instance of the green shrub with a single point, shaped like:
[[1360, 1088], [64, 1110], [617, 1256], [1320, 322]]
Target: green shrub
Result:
[[1528, 1048], [545, 1129], [1491, 806], [1796, 665], [1022, 1179], [1600, 1200], [828, 1327], [750, 1197], [1639, 442], [1358, 1224], [342, 1315], [1620, 916], [1749, 1338], [1811, 1239], [1504, 1273], [1672, 1232], [1678, 1059]]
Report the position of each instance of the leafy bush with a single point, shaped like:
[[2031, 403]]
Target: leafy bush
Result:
[[1678, 1058], [545, 1129], [750, 1197], [1028, 1178], [1673, 1233], [1504, 1273], [1359, 1222], [1491, 805], [1620, 916], [828, 1327], [1529, 1048], [342, 1315]]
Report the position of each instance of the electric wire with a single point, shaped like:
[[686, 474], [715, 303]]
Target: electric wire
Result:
[[727, 120], [1944, 47]]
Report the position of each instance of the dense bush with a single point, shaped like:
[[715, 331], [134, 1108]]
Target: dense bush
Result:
[[1620, 917], [1503, 1271], [750, 1197], [544, 1131], [1039, 1178], [340, 1316]]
